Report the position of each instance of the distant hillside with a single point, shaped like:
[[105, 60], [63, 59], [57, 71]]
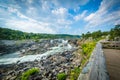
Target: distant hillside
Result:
[[10, 34]]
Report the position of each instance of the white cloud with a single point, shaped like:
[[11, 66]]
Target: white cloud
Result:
[[103, 15], [24, 23], [117, 22], [61, 12], [88, 18], [63, 22], [41, 16], [30, 26], [12, 10], [60, 20], [27, 24], [80, 16]]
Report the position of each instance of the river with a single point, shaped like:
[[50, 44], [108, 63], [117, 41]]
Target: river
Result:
[[15, 57]]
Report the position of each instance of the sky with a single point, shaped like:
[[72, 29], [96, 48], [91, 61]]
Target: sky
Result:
[[59, 16]]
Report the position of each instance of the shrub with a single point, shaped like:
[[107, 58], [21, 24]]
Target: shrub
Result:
[[74, 73], [61, 76], [28, 73], [87, 48]]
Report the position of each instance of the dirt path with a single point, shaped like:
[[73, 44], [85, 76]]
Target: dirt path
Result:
[[113, 63]]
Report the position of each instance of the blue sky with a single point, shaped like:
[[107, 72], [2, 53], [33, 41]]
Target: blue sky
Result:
[[59, 16]]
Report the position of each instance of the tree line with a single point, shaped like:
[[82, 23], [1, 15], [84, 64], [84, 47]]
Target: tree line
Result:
[[113, 33], [9, 34]]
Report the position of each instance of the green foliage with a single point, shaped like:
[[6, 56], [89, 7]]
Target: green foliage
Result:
[[95, 35], [28, 73], [9, 34], [61, 76], [74, 73], [87, 48], [83, 61], [115, 32], [37, 40]]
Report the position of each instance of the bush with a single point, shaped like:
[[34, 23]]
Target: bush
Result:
[[87, 48], [61, 76], [28, 73], [74, 73]]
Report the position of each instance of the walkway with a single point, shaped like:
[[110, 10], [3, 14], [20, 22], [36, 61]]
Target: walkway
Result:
[[96, 67], [113, 63]]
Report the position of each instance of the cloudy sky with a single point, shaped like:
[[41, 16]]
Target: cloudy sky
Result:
[[59, 16]]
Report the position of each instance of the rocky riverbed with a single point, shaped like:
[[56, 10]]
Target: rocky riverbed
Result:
[[50, 56]]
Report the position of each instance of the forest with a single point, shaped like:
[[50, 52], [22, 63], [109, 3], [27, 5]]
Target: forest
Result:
[[9, 34]]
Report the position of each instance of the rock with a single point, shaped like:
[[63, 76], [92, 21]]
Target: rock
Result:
[[23, 51], [66, 71], [61, 71], [13, 78], [8, 77], [37, 78], [71, 59], [54, 71], [46, 46], [19, 72], [25, 69], [50, 75], [18, 61], [10, 72], [47, 73]]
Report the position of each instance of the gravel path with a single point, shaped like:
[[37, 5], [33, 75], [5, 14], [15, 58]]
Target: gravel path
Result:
[[113, 63]]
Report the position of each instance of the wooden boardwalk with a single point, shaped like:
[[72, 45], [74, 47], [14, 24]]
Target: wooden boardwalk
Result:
[[113, 63], [96, 67]]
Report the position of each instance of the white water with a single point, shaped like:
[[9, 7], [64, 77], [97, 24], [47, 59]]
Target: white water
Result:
[[13, 58]]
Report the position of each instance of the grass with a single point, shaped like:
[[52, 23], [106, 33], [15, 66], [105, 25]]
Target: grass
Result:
[[28, 73]]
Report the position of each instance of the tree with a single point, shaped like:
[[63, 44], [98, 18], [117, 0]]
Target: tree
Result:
[[115, 32]]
